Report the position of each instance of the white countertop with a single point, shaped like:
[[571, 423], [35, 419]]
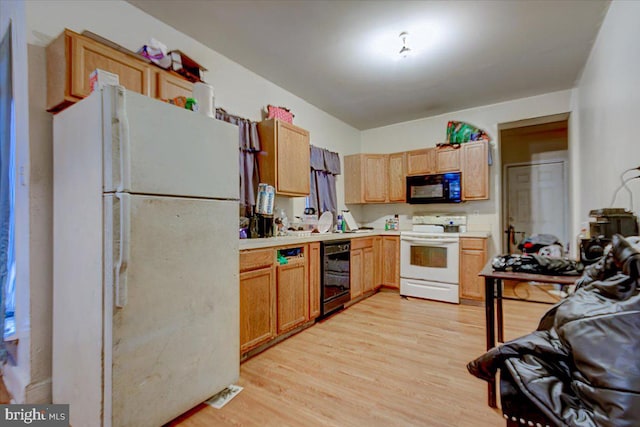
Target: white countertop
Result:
[[316, 237]]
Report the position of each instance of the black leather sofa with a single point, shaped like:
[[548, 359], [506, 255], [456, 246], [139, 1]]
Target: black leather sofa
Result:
[[581, 367]]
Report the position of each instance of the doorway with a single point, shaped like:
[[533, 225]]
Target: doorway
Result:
[[535, 191]]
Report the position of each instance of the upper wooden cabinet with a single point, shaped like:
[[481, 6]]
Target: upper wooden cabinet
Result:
[[420, 162], [396, 179], [285, 157], [169, 86], [72, 57], [365, 178], [475, 171], [447, 159]]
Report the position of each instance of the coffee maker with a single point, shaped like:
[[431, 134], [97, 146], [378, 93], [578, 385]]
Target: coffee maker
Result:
[[603, 225]]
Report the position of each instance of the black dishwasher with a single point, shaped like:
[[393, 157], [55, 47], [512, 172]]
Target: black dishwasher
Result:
[[336, 281]]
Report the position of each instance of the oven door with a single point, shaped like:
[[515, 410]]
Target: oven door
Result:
[[429, 258]]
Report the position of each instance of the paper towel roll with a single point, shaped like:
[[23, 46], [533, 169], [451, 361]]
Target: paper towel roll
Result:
[[203, 93]]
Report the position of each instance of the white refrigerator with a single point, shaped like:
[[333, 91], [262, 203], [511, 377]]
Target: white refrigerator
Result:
[[145, 280]]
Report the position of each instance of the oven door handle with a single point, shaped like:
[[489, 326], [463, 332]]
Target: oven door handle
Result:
[[429, 241]]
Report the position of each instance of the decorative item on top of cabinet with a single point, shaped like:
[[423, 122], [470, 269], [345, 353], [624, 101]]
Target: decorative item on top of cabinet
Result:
[[284, 160], [365, 178], [391, 261], [475, 170], [447, 159], [473, 257], [257, 298], [421, 162], [397, 177]]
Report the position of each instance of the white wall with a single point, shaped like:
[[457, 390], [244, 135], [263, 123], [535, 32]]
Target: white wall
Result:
[[18, 377], [607, 107], [237, 90], [427, 132]]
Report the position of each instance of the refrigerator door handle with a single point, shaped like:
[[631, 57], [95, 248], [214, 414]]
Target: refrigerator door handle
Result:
[[123, 139], [123, 259]]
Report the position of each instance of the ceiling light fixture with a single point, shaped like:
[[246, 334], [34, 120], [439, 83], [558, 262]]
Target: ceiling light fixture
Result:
[[405, 50]]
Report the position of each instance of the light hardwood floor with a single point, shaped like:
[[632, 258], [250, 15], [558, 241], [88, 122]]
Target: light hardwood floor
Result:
[[386, 361]]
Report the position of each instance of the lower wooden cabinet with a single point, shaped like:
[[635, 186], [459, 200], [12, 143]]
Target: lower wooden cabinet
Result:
[[391, 261], [293, 294], [473, 257], [356, 273], [257, 307], [314, 280], [363, 262]]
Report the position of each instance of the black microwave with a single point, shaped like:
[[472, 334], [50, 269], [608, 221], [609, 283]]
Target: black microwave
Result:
[[437, 188]]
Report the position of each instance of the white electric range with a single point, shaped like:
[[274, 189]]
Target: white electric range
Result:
[[429, 257]]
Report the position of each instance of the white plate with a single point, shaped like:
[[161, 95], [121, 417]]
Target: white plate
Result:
[[325, 222]]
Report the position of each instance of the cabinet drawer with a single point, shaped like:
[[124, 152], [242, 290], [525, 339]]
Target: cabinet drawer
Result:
[[362, 243], [472, 243], [251, 260]]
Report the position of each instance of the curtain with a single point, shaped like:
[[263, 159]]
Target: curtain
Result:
[[325, 165], [6, 179], [248, 145]]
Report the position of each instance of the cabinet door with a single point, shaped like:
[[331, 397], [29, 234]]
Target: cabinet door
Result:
[[293, 161], [374, 179], [356, 273], [447, 160], [391, 261], [368, 274], [314, 280], [257, 308], [170, 86], [397, 181], [293, 294], [475, 171], [87, 55], [377, 257], [421, 161], [472, 263]]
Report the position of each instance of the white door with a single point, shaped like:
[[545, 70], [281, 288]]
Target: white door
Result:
[[175, 340], [537, 200], [152, 147]]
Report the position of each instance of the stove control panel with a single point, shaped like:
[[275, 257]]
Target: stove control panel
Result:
[[443, 220]]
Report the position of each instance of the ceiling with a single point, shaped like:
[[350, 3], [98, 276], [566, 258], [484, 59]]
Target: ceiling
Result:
[[341, 56]]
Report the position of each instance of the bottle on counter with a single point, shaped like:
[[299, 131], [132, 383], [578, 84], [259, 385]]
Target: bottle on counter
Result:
[[339, 224]]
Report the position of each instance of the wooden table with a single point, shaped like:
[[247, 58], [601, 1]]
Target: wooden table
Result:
[[493, 297]]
